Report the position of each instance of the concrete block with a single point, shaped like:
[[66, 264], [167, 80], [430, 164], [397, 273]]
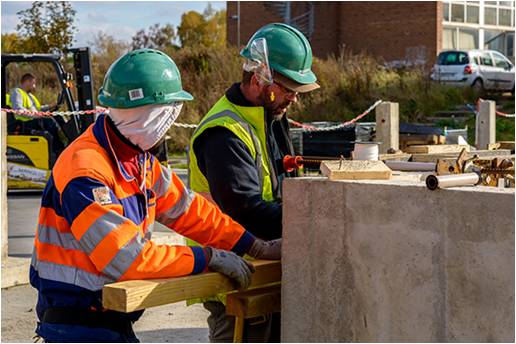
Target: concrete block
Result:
[[486, 124], [391, 261], [388, 126], [15, 271]]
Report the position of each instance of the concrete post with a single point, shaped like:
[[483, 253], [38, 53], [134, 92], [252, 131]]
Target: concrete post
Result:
[[388, 126], [3, 133], [486, 124]]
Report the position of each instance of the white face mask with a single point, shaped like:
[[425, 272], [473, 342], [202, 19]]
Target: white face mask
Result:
[[144, 126]]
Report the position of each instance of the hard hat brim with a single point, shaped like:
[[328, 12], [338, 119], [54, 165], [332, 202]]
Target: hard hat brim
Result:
[[295, 86]]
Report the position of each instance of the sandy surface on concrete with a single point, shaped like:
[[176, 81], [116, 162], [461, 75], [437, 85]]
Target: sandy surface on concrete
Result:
[[165, 324]]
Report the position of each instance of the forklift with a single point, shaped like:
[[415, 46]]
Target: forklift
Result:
[[30, 156]]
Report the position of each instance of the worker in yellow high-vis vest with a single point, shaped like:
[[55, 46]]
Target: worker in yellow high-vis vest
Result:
[[236, 152], [23, 98]]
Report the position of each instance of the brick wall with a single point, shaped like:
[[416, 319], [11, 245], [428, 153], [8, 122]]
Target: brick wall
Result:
[[393, 31]]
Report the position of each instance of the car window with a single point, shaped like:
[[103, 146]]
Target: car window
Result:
[[449, 58], [486, 59], [500, 61]]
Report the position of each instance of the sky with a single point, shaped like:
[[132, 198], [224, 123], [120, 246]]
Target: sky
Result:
[[120, 19]]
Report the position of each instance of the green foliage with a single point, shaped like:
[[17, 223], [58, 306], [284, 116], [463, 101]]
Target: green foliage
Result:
[[156, 37], [207, 29], [351, 83], [105, 50], [47, 25], [11, 43]]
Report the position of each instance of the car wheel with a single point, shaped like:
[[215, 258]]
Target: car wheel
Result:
[[478, 86]]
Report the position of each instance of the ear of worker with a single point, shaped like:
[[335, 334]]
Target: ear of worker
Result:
[[237, 268]]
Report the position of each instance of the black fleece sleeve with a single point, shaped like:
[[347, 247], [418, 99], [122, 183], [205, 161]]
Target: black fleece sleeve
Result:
[[229, 167]]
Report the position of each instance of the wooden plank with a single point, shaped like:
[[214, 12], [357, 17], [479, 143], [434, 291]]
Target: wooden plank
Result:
[[418, 139], [253, 303], [129, 296], [502, 153], [435, 149], [507, 145], [355, 169], [400, 156]]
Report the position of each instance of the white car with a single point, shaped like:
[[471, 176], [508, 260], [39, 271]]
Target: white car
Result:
[[481, 69]]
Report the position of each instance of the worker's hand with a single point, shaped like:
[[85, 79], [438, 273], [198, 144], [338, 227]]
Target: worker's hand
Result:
[[270, 250], [231, 265]]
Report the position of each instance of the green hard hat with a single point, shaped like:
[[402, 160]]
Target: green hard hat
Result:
[[289, 52], [142, 77]]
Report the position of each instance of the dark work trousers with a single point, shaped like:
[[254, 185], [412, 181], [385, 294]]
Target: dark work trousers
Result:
[[256, 330]]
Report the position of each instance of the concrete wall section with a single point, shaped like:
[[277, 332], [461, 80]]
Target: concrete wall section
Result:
[[392, 261]]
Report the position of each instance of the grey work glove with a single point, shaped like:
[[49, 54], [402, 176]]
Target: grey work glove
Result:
[[231, 265], [270, 250]]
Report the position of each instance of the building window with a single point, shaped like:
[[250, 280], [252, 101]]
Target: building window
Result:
[[472, 14], [446, 11], [468, 38], [490, 16], [449, 38], [457, 13], [504, 17]]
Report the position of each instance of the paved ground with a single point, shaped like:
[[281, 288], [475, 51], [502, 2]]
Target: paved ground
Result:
[[170, 323], [165, 324]]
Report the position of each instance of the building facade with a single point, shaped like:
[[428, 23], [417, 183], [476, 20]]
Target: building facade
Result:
[[398, 32]]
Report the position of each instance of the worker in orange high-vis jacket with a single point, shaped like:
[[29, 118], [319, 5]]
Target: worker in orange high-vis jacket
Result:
[[102, 199]]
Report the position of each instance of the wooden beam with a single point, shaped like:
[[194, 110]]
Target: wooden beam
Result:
[[129, 296], [394, 156], [435, 149], [253, 303], [502, 153], [355, 169], [507, 145]]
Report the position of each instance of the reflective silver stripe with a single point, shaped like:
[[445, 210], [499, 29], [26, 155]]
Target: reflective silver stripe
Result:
[[71, 275], [148, 232], [174, 212], [34, 258], [50, 235], [99, 229], [247, 127], [117, 267], [163, 183]]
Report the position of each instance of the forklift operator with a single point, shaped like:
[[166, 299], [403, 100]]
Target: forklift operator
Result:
[[22, 98]]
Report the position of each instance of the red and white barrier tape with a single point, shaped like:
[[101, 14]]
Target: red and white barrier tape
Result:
[[499, 113], [99, 110], [338, 126], [40, 114]]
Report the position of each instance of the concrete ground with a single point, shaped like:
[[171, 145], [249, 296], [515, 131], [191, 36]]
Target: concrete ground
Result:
[[173, 323], [170, 323]]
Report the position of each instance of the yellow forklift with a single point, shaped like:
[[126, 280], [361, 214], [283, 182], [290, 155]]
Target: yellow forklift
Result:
[[30, 153]]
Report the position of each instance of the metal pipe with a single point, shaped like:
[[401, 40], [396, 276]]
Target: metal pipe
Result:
[[410, 165], [433, 182]]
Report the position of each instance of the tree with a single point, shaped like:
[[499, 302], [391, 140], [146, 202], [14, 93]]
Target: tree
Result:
[[11, 43], [157, 37], [47, 25], [207, 29], [105, 50]]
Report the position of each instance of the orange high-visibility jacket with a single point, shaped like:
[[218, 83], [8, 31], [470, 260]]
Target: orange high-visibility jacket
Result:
[[96, 222]]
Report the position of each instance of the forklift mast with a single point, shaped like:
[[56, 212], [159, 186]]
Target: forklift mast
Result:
[[84, 83]]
